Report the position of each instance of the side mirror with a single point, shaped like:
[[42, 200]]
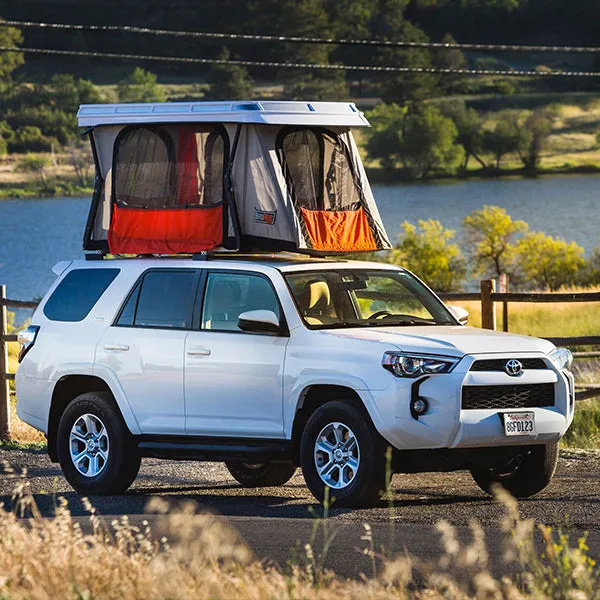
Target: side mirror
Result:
[[460, 313], [259, 321]]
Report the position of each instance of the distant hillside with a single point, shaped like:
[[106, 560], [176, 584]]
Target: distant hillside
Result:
[[572, 22]]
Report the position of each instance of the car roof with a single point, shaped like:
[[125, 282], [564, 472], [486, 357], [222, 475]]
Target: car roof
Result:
[[283, 262]]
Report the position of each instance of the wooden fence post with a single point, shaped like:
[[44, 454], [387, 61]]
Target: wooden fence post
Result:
[[503, 282], [4, 386], [488, 308]]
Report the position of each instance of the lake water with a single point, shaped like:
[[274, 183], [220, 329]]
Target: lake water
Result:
[[36, 234]]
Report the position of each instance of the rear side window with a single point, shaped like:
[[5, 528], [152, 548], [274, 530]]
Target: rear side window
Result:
[[162, 299], [77, 293]]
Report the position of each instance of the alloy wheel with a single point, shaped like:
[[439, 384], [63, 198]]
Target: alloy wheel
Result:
[[89, 445], [337, 455]]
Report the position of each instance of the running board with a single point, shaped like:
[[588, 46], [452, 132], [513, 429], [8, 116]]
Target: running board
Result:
[[213, 448]]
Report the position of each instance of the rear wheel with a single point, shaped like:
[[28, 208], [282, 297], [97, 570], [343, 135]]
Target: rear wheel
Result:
[[95, 449], [341, 450], [523, 475], [253, 475]]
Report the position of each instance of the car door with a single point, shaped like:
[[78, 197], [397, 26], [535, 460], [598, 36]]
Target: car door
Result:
[[145, 347], [234, 379]]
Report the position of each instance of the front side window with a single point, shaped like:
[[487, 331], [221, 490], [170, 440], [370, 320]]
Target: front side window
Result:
[[317, 165], [228, 295], [162, 299], [77, 293], [169, 166], [365, 298]]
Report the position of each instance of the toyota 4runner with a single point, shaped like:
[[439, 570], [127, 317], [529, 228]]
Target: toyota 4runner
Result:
[[273, 362]]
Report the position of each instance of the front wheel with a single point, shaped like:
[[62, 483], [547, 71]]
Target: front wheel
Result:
[[524, 475], [95, 449], [252, 475], [341, 450]]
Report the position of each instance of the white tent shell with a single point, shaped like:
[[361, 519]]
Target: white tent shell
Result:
[[262, 210]]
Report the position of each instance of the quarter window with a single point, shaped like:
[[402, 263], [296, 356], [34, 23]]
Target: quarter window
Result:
[[163, 299], [228, 295], [77, 293]]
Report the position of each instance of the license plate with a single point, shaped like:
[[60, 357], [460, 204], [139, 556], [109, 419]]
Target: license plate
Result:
[[519, 423]]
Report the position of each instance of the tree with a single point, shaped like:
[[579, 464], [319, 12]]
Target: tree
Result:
[[384, 136], [66, 93], [591, 274], [10, 37], [449, 58], [534, 134], [35, 164], [431, 255], [421, 139], [505, 137], [428, 142], [80, 158], [229, 82], [549, 262], [469, 127], [140, 86], [489, 235]]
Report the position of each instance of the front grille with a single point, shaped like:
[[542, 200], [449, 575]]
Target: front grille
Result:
[[507, 396], [499, 364]]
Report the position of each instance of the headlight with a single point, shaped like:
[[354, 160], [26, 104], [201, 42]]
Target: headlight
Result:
[[561, 358], [414, 365]]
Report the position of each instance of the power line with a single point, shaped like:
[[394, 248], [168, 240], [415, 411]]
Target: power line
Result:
[[295, 65], [307, 40]]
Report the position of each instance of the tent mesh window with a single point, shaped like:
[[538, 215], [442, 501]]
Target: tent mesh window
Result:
[[180, 166], [318, 170]]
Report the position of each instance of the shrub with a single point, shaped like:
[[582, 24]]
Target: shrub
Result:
[[31, 139], [549, 262], [430, 254], [140, 86]]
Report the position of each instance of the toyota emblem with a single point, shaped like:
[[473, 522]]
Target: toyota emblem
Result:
[[513, 367]]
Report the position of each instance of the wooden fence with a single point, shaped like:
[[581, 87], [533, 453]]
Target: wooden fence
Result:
[[487, 296], [5, 376]]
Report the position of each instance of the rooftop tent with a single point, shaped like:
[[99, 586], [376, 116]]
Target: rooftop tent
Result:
[[187, 177]]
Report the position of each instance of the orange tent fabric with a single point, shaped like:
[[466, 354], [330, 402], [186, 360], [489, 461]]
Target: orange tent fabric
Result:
[[165, 231], [339, 231]]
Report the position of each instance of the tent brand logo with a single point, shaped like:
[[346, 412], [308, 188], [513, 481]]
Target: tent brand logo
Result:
[[265, 216]]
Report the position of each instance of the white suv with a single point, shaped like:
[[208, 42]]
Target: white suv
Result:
[[273, 362]]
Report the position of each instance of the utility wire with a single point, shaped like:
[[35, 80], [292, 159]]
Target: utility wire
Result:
[[306, 40], [293, 65]]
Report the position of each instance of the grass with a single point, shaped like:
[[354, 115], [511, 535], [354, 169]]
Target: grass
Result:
[[201, 558]]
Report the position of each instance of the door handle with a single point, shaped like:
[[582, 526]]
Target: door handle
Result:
[[116, 348], [198, 351]]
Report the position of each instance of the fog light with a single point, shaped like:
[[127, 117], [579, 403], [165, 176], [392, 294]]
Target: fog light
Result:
[[419, 406]]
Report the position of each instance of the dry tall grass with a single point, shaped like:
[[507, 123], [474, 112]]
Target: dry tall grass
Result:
[[200, 558]]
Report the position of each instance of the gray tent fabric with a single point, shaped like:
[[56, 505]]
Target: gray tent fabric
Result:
[[268, 215]]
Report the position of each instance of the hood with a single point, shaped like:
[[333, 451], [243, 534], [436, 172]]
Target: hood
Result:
[[454, 340]]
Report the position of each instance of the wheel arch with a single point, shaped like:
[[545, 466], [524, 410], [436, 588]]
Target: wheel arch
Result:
[[69, 387], [312, 397]]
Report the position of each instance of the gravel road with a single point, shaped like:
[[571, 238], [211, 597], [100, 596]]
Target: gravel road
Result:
[[275, 522]]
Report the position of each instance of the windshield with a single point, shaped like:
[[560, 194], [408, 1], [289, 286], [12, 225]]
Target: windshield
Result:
[[365, 298]]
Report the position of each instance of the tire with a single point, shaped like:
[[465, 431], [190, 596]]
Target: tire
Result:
[[527, 474], [358, 475], [253, 475], [92, 428]]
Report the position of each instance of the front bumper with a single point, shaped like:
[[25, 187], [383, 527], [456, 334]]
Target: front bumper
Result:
[[447, 425]]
